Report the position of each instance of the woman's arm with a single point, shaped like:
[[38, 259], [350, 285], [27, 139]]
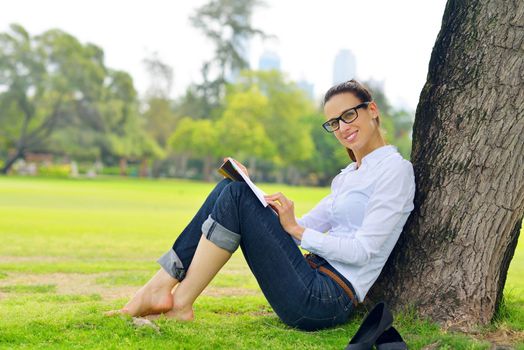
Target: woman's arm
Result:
[[388, 207], [316, 218]]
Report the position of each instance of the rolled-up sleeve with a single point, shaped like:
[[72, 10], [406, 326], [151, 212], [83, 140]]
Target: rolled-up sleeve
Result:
[[386, 213]]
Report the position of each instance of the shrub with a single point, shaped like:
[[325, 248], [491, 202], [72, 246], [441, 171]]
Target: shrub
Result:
[[110, 170], [55, 170]]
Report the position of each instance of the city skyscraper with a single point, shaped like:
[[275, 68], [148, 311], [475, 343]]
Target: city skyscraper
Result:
[[269, 60], [344, 67], [307, 87]]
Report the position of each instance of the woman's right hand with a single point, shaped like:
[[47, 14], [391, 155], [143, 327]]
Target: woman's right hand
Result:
[[242, 167]]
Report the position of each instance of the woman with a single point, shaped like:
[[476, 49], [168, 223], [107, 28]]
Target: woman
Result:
[[363, 217]]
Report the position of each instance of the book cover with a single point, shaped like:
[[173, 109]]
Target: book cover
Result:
[[231, 170]]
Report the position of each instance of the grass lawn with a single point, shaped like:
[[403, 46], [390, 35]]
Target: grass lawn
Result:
[[72, 249]]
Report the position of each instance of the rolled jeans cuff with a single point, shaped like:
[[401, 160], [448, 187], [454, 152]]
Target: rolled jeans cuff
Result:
[[220, 236], [172, 264]]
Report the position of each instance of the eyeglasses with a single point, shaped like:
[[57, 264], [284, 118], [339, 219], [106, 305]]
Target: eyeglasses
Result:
[[348, 116]]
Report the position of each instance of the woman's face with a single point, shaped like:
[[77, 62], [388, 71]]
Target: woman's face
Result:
[[359, 134]]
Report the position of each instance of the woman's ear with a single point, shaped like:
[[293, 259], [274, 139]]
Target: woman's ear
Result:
[[374, 110]]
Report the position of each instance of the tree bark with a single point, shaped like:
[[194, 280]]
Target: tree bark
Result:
[[143, 168], [10, 161], [123, 166], [452, 259], [208, 162]]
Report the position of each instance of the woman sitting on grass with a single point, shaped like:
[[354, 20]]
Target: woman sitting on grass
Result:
[[363, 216]]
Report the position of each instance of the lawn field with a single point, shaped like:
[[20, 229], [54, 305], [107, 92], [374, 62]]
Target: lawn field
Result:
[[74, 248]]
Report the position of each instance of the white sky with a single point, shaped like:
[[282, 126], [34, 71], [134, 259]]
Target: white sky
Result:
[[392, 40]]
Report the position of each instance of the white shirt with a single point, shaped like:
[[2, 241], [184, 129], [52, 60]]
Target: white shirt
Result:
[[363, 216]]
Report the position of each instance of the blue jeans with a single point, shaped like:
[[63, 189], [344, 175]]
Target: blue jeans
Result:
[[232, 216]]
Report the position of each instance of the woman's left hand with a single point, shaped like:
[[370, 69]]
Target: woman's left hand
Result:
[[285, 209]]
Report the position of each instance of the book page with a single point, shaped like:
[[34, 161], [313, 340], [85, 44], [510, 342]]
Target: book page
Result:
[[257, 191]]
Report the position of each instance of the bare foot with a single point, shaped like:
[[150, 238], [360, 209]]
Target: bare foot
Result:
[[180, 314], [153, 298], [146, 301]]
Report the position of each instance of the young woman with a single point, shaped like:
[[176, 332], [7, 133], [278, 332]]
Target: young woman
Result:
[[349, 234]]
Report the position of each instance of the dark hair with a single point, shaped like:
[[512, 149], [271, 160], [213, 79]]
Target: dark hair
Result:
[[353, 86], [360, 92]]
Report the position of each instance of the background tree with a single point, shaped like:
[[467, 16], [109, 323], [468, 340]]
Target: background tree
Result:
[[46, 81], [240, 131], [227, 24], [58, 96], [452, 259], [287, 105], [328, 157], [159, 116], [396, 123], [196, 138]]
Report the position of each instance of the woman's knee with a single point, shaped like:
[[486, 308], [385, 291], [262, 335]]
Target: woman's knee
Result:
[[237, 187], [222, 184]]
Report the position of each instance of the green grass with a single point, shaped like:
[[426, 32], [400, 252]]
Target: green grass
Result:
[[35, 288], [72, 249]]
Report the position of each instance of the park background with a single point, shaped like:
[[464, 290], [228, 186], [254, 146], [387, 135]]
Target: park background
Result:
[[88, 201]]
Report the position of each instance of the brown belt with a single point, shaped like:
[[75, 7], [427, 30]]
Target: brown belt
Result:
[[337, 280]]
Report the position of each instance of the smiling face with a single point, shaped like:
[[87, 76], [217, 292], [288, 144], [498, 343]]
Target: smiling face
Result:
[[362, 135]]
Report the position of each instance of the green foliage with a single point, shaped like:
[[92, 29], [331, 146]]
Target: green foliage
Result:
[[286, 105], [329, 156], [130, 170], [396, 123], [57, 95], [227, 24], [55, 170], [160, 120], [196, 137], [241, 130]]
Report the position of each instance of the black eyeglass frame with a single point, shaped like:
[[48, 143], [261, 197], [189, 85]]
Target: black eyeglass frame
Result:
[[339, 118]]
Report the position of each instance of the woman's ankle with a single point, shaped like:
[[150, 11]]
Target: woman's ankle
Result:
[[161, 282], [182, 305]]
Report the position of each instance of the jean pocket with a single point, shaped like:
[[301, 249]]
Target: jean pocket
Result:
[[321, 289]]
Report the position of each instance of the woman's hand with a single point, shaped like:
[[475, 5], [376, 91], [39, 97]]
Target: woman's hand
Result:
[[285, 209], [242, 167]]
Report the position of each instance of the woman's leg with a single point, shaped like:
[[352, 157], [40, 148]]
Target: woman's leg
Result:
[[155, 296], [301, 296], [208, 260]]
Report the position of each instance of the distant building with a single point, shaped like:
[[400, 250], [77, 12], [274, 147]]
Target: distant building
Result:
[[345, 67], [307, 87], [269, 60]]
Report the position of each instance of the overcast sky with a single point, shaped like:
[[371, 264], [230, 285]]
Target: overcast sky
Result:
[[392, 40]]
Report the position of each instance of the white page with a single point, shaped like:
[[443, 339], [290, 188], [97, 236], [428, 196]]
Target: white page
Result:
[[257, 191]]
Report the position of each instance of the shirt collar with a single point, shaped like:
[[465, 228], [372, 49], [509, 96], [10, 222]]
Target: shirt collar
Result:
[[372, 158]]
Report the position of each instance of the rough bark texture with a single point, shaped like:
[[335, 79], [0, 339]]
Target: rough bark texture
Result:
[[451, 261]]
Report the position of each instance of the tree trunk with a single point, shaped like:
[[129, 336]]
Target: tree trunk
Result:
[[11, 160], [143, 168], [123, 166], [452, 259], [208, 162]]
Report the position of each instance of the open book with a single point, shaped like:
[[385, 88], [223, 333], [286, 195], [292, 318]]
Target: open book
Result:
[[232, 171]]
